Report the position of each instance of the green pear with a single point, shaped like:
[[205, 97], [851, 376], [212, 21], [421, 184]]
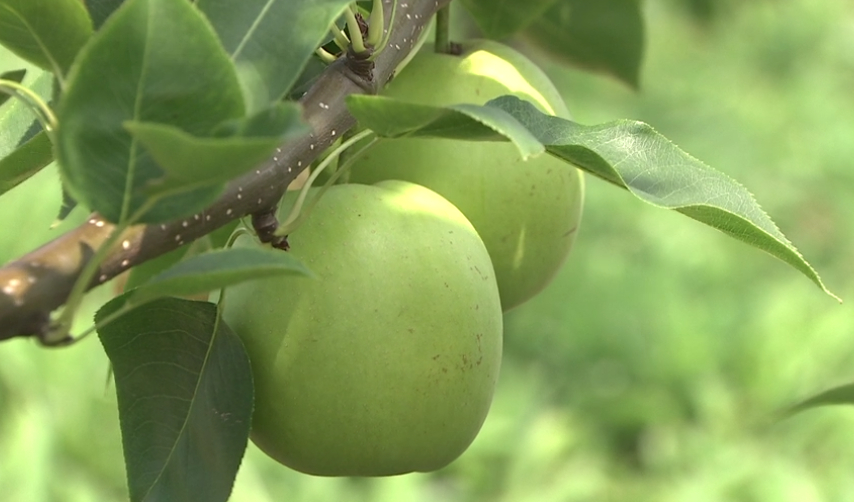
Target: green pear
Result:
[[385, 362], [526, 212]]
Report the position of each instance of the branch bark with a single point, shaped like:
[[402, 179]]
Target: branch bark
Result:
[[34, 285]]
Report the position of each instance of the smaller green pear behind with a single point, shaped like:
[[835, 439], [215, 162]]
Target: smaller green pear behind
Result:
[[526, 212], [386, 362]]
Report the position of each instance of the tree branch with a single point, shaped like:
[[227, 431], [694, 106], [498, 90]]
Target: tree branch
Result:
[[32, 286]]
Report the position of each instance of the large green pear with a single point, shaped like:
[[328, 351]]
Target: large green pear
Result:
[[526, 212], [386, 362]]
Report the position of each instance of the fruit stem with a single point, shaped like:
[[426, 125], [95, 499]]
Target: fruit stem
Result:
[[384, 41], [343, 170], [34, 102], [376, 23], [355, 31], [339, 37], [325, 55], [287, 226], [235, 235], [443, 29]]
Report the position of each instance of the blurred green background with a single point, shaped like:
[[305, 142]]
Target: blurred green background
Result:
[[653, 367]]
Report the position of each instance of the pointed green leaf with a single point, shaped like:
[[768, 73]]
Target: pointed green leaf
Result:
[[68, 205], [100, 10], [602, 35], [271, 41], [142, 273], [14, 76], [633, 155], [281, 120], [48, 33], [163, 64], [392, 118], [627, 153], [309, 75], [18, 123], [498, 22], [24, 148], [25, 161], [841, 395], [190, 161], [184, 388], [219, 269]]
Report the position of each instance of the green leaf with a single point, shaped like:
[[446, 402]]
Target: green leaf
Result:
[[627, 153], [24, 147], [164, 65], [841, 395], [392, 118], [68, 204], [190, 161], [14, 76], [100, 10], [17, 122], [218, 269], [219, 238], [25, 161], [706, 12], [309, 75], [48, 33], [602, 35], [504, 20], [280, 120], [271, 41], [142, 273], [184, 388]]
